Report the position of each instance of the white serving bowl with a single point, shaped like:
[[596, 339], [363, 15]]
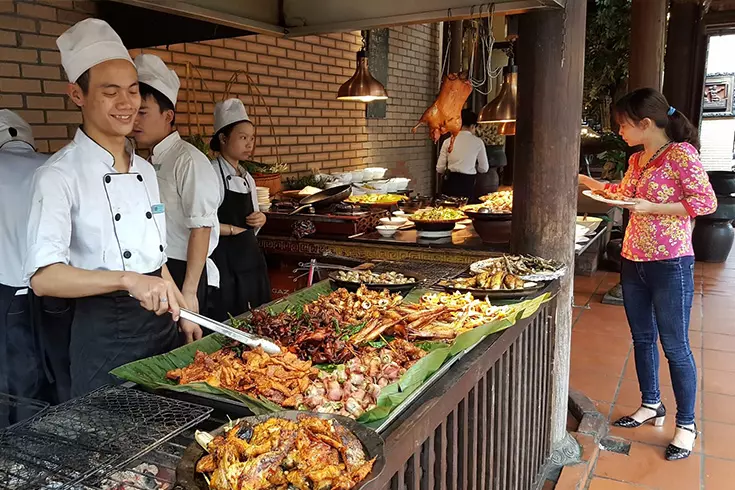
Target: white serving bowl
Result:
[[386, 231], [345, 177], [375, 173], [399, 213], [402, 183], [394, 221], [264, 207]]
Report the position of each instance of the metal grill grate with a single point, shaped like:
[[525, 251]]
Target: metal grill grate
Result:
[[17, 409], [88, 436]]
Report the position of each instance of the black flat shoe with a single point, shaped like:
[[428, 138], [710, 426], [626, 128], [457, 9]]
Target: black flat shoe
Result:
[[629, 422], [675, 453]]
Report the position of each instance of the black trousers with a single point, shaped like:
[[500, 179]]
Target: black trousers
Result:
[[177, 268], [21, 368], [459, 185]]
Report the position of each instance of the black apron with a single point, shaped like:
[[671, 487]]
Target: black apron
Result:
[[244, 282], [110, 330], [21, 369]]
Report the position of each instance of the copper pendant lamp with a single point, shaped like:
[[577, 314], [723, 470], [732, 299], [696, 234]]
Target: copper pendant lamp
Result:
[[502, 109], [362, 87]]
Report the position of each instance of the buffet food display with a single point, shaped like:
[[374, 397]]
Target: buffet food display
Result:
[[500, 202], [370, 277], [377, 199], [437, 215], [343, 352]]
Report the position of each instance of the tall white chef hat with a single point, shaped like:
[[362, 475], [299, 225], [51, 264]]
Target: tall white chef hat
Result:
[[228, 112], [14, 127], [89, 43], [153, 72]]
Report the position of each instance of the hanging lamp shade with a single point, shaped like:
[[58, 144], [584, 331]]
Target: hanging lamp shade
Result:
[[502, 109], [362, 87]]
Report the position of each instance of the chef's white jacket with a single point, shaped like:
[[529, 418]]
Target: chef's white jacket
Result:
[[189, 191], [235, 183], [18, 162], [86, 214], [467, 157]]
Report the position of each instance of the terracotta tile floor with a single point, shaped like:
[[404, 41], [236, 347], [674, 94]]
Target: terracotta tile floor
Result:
[[603, 368]]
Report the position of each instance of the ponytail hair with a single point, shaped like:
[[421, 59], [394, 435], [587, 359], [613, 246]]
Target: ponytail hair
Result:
[[648, 103]]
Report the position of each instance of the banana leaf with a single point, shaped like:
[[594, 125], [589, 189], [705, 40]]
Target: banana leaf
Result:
[[151, 372]]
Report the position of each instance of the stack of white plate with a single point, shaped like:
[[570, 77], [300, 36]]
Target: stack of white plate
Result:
[[264, 198]]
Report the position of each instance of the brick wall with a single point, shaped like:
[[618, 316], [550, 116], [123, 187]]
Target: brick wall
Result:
[[31, 79], [298, 79]]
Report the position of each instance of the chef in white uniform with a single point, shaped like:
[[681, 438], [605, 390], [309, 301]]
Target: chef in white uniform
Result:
[[244, 281], [21, 371], [97, 229], [186, 179]]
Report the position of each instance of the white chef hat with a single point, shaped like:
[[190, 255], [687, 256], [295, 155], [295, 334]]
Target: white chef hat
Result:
[[228, 112], [13, 127], [153, 72], [89, 43]]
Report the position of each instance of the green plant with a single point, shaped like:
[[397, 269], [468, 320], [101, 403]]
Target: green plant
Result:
[[298, 183], [606, 58], [615, 157], [264, 168]]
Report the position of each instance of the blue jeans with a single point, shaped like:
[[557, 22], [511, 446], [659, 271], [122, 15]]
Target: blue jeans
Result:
[[658, 300]]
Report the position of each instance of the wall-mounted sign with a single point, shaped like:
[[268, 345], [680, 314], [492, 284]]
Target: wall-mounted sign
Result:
[[718, 95]]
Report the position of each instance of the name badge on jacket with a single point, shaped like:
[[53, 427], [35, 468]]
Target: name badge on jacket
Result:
[[158, 208]]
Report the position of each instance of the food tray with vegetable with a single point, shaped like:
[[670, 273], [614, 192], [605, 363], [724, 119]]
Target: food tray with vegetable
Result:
[[526, 267], [498, 284], [392, 281], [380, 200], [287, 449]]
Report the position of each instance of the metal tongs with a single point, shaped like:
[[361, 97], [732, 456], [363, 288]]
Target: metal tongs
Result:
[[244, 338]]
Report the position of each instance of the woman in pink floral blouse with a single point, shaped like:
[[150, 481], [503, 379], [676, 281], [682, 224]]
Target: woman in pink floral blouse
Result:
[[668, 188]]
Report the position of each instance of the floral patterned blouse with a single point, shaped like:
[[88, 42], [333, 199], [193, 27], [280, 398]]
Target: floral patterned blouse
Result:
[[676, 175]]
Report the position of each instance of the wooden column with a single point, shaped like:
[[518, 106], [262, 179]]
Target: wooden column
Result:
[[686, 58], [455, 46], [647, 43], [550, 80]]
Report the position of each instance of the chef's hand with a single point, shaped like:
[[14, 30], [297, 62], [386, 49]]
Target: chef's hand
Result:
[[640, 206], [191, 330], [154, 293], [255, 220]]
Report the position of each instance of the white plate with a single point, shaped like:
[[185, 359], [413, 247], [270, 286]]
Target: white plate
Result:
[[612, 202], [583, 239], [459, 226], [434, 234]]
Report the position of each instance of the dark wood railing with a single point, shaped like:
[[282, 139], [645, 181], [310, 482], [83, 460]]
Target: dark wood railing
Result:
[[486, 423]]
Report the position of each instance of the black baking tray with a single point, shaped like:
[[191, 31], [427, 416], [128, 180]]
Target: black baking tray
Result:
[[354, 286], [374, 446]]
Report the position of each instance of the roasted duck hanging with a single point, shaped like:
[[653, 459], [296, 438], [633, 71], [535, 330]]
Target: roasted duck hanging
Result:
[[445, 114]]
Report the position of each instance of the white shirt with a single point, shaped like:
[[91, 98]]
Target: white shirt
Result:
[[468, 155], [86, 214], [18, 162], [189, 191], [235, 183]]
